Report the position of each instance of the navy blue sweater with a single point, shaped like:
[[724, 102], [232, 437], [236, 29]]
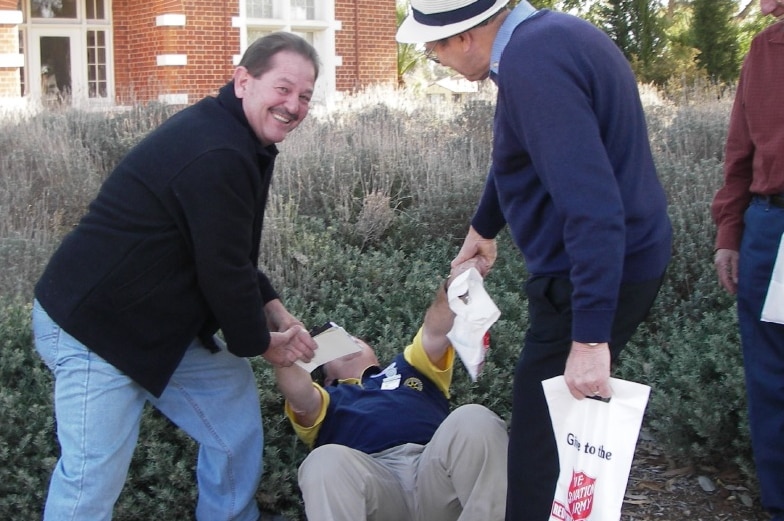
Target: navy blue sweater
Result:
[[572, 171], [168, 250]]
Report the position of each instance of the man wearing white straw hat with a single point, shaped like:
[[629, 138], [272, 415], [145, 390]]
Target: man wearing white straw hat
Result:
[[573, 176]]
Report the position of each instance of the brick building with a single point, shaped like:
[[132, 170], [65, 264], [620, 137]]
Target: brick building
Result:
[[107, 52]]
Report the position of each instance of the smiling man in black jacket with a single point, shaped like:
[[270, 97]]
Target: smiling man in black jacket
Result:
[[127, 309]]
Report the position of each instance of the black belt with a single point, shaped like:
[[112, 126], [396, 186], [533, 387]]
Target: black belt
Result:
[[773, 200]]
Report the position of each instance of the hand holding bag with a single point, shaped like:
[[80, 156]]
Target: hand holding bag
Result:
[[596, 441]]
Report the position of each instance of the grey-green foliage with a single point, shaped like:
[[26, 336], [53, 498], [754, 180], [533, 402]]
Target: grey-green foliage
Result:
[[370, 204], [161, 476], [689, 349], [27, 452], [51, 165], [693, 364]]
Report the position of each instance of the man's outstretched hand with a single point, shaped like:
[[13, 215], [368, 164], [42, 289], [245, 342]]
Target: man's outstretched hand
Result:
[[289, 346]]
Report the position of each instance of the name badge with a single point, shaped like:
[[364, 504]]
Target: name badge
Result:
[[391, 382]]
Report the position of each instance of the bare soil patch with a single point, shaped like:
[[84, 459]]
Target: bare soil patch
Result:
[[661, 489]]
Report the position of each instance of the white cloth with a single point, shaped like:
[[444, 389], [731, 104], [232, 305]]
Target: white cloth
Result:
[[773, 309], [474, 313]]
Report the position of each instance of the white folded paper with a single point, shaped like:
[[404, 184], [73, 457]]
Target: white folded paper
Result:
[[474, 312], [773, 309], [333, 342]]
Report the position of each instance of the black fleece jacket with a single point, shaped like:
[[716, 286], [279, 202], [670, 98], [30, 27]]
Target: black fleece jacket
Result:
[[168, 250]]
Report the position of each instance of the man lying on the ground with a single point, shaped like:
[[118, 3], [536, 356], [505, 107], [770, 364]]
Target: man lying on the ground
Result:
[[385, 446]]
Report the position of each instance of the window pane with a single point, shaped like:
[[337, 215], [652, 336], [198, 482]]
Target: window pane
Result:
[[97, 84], [53, 8], [22, 83], [303, 10], [95, 9], [259, 9], [55, 68], [254, 33]]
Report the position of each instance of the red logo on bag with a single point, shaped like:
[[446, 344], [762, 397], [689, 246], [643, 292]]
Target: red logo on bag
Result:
[[579, 500], [560, 512]]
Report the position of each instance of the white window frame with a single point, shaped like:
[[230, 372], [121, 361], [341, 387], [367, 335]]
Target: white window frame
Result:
[[76, 30]]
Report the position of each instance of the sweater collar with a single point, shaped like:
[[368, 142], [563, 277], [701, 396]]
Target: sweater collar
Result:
[[233, 105], [519, 14]]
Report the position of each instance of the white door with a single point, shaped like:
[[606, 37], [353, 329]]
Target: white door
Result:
[[69, 66], [55, 65]]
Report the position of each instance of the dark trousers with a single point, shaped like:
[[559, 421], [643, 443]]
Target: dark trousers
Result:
[[763, 351], [533, 456]]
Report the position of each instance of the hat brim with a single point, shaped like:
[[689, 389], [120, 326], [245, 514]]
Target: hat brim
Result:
[[412, 31]]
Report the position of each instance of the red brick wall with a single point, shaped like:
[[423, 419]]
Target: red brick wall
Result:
[[9, 44], [366, 43], [9, 76], [208, 40]]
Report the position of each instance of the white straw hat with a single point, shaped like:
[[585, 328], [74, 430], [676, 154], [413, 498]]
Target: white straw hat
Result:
[[432, 20]]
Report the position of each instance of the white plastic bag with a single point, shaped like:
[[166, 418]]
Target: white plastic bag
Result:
[[474, 313], [773, 309], [596, 442]]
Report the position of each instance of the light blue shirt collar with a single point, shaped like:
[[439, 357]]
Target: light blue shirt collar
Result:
[[520, 13]]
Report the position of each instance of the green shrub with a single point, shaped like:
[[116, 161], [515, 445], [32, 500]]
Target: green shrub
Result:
[[27, 454], [693, 364], [51, 165], [370, 203]]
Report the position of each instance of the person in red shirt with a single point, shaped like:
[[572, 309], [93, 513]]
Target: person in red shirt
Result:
[[749, 214]]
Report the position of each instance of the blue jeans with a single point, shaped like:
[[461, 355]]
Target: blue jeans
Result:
[[212, 397], [763, 351]]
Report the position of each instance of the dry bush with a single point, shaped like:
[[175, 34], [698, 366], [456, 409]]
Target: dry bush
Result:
[[369, 204], [51, 166]]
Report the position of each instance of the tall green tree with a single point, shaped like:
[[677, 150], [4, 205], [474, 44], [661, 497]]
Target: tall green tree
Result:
[[637, 27], [714, 34], [576, 7]]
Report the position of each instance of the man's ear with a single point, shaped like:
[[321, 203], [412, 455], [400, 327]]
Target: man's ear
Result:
[[466, 40], [241, 78]]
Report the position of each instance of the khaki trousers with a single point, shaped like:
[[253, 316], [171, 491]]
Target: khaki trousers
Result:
[[459, 475]]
